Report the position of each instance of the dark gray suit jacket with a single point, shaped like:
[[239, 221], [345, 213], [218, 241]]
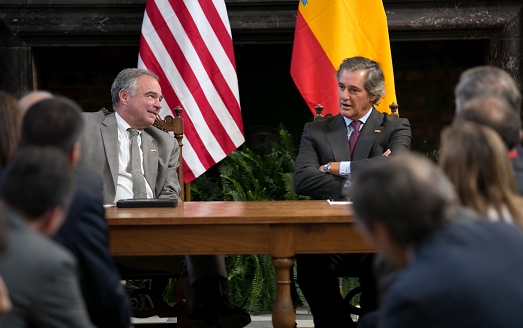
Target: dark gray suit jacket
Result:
[[464, 275], [326, 141], [100, 154], [42, 281]]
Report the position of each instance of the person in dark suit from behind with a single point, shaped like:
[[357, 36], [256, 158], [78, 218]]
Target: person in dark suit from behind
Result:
[[330, 151], [58, 122], [458, 270], [489, 81], [41, 276], [5, 301], [498, 115]]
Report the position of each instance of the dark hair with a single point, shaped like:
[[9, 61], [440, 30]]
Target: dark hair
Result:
[[495, 113], [37, 180], [10, 118], [487, 81], [4, 231], [409, 194], [374, 82], [54, 122]]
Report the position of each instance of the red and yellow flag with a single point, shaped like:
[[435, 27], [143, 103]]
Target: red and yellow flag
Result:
[[328, 31]]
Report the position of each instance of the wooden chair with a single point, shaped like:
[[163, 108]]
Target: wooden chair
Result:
[[175, 125]]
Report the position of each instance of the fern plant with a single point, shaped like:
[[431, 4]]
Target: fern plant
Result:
[[245, 175]]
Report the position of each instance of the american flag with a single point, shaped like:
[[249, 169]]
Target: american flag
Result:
[[188, 44]]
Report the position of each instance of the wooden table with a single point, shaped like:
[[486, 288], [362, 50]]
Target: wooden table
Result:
[[278, 228]]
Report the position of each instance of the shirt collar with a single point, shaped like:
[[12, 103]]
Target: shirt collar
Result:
[[123, 125], [348, 121]]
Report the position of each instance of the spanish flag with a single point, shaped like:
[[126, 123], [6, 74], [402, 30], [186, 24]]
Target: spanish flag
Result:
[[328, 31]]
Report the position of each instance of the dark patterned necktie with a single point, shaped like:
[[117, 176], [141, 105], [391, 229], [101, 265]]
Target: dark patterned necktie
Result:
[[136, 167], [354, 135]]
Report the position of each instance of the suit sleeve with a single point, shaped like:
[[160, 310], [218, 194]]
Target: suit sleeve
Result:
[[308, 180], [405, 314], [171, 187], [106, 299], [398, 142], [61, 304]]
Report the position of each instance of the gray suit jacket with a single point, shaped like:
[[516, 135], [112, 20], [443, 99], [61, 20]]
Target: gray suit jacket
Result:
[[42, 281], [100, 153], [326, 141]]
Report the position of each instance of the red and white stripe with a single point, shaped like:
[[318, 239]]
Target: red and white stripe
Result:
[[188, 44]]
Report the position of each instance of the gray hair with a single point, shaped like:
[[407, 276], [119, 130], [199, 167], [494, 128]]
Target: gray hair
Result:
[[374, 79], [495, 113], [487, 81], [126, 80], [380, 192]]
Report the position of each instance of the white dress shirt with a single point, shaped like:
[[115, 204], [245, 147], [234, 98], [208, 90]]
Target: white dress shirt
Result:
[[124, 185]]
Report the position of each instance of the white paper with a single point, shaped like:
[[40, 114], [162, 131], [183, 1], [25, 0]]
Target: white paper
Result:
[[339, 202]]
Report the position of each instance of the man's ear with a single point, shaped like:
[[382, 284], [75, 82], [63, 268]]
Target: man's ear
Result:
[[124, 97], [372, 98], [52, 220], [74, 155]]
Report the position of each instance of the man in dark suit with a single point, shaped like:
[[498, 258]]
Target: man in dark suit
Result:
[[330, 152], [58, 122], [459, 270], [37, 188], [493, 82]]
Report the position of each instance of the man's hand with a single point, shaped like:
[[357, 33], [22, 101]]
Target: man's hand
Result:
[[387, 153]]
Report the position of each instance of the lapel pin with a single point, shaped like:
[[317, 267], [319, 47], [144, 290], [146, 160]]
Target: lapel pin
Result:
[[377, 131], [153, 150]]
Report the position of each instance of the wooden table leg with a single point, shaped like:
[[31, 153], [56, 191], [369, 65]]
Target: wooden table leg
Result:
[[283, 315]]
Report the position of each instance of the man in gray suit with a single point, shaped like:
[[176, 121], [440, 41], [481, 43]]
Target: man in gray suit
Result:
[[41, 276], [137, 160]]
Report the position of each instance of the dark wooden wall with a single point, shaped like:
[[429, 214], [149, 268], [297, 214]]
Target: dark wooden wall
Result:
[[76, 47]]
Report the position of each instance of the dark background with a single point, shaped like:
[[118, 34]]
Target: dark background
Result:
[[425, 75]]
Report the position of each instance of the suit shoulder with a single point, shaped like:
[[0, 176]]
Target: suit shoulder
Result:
[[93, 120], [39, 252]]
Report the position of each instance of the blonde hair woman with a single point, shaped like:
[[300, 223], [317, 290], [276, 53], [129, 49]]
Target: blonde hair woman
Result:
[[475, 159]]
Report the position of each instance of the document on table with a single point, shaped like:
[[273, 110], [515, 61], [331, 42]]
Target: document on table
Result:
[[339, 202]]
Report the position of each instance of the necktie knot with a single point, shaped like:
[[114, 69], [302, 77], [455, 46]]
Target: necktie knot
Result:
[[355, 125], [133, 132]]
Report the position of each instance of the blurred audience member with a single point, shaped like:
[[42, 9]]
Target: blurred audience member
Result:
[[58, 122], [458, 271], [487, 81], [498, 115], [32, 98], [5, 302], [475, 160], [10, 118], [41, 276]]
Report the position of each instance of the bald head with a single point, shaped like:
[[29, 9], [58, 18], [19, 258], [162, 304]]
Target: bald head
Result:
[[32, 98]]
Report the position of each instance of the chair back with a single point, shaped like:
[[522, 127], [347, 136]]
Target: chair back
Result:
[[175, 125]]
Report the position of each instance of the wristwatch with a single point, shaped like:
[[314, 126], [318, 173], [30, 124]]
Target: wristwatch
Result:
[[326, 168]]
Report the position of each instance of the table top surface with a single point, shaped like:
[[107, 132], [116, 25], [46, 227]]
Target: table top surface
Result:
[[232, 212]]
